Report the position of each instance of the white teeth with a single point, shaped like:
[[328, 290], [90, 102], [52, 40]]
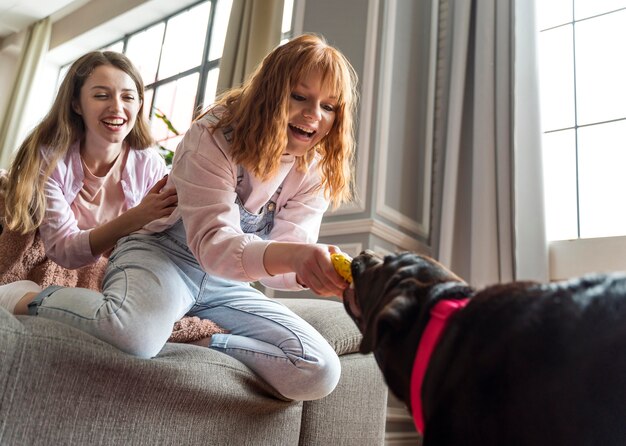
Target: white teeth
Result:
[[305, 130], [118, 121]]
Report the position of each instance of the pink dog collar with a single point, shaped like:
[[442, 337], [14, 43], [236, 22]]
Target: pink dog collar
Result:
[[439, 316]]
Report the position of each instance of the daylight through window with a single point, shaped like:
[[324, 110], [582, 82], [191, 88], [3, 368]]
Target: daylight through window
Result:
[[583, 108]]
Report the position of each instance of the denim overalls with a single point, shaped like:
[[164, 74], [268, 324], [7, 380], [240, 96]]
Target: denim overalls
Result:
[[154, 280], [260, 224]]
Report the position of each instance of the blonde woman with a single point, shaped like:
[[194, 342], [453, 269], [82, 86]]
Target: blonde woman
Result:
[[85, 176], [254, 175]]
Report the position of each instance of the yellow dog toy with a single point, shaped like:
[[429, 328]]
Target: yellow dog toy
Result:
[[342, 263]]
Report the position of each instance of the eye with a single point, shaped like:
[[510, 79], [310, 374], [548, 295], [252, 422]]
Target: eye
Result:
[[328, 107], [100, 96], [297, 97], [129, 98]]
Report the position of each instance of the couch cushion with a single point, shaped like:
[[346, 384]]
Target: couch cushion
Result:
[[335, 325], [78, 390]]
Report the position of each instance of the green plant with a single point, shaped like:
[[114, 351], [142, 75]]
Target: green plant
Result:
[[166, 153]]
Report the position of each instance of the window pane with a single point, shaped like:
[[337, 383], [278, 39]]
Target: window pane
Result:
[[176, 101], [600, 70], [589, 8], [144, 49], [62, 73], [552, 13], [556, 66], [602, 157], [184, 41], [559, 178], [287, 15], [147, 103], [220, 24], [211, 87]]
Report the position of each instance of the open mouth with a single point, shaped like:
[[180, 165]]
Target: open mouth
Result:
[[114, 124], [302, 131], [349, 297]]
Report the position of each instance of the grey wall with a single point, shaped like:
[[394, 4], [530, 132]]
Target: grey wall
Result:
[[389, 44]]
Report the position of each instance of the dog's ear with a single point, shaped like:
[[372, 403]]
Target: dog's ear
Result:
[[387, 321]]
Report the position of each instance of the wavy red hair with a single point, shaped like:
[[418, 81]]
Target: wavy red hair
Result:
[[258, 111]]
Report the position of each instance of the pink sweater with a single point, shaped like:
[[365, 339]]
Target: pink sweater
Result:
[[205, 177]]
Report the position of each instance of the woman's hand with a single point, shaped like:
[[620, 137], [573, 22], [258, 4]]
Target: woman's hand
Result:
[[310, 262], [156, 204]]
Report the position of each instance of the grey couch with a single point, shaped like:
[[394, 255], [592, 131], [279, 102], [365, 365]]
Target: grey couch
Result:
[[59, 386]]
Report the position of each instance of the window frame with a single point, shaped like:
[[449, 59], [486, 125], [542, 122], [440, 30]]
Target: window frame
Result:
[[203, 69], [575, 257]]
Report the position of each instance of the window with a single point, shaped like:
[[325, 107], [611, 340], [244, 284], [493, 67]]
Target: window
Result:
[[583, 107], [178, 58]]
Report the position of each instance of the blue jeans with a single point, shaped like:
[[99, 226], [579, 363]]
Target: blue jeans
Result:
[[154, 280]]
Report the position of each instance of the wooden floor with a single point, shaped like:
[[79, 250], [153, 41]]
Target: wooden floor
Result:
[[400, 430]]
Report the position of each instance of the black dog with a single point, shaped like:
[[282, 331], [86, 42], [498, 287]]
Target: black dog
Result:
[[519, 364]]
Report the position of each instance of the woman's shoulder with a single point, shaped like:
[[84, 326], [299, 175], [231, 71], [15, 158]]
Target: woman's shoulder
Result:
[[66, 162], [146, 163], [149, 154], [204, 139], [211, 119], [212, 115]]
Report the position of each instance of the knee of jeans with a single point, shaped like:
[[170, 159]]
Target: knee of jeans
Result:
[[146, 343], [141, 349], [316, 379]]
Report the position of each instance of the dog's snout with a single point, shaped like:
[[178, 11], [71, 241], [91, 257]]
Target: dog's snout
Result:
[[366, 259]]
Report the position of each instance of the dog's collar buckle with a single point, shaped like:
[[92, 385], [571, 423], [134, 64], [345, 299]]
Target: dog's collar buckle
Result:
[[439, 316]]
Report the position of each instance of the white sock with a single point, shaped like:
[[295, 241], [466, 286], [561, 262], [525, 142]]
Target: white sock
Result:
[[11, 293]]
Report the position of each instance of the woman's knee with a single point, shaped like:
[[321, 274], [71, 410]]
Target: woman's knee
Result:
[[142, 335], [313, 377], [140, 347]]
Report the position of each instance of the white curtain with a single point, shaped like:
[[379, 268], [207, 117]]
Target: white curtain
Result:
[[488, 217], [254, 29], [33, 53]]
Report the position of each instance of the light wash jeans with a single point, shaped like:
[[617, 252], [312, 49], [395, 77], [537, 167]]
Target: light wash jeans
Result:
[[154, 280]]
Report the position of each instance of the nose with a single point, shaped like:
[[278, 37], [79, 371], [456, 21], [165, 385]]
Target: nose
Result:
[[116, 104], [313, 112]]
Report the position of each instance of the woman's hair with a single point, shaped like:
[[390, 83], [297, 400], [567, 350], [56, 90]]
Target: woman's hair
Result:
[[25, 203], [258, 113]]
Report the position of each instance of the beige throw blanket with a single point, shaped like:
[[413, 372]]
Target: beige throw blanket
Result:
[[22, 257]]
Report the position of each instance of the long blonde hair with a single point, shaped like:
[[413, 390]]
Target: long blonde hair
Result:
[[258, 113], [25, 202]]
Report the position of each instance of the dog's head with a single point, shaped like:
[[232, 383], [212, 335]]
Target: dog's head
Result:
[[393, 294], [390, 301]]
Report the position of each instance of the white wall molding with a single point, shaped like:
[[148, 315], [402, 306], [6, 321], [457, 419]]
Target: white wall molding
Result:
[[386, 86], [374, 227], [352, 249], [401, 438], [13, 43]]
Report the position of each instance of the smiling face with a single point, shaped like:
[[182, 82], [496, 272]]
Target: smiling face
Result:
[[311, 114], [108, 104]]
